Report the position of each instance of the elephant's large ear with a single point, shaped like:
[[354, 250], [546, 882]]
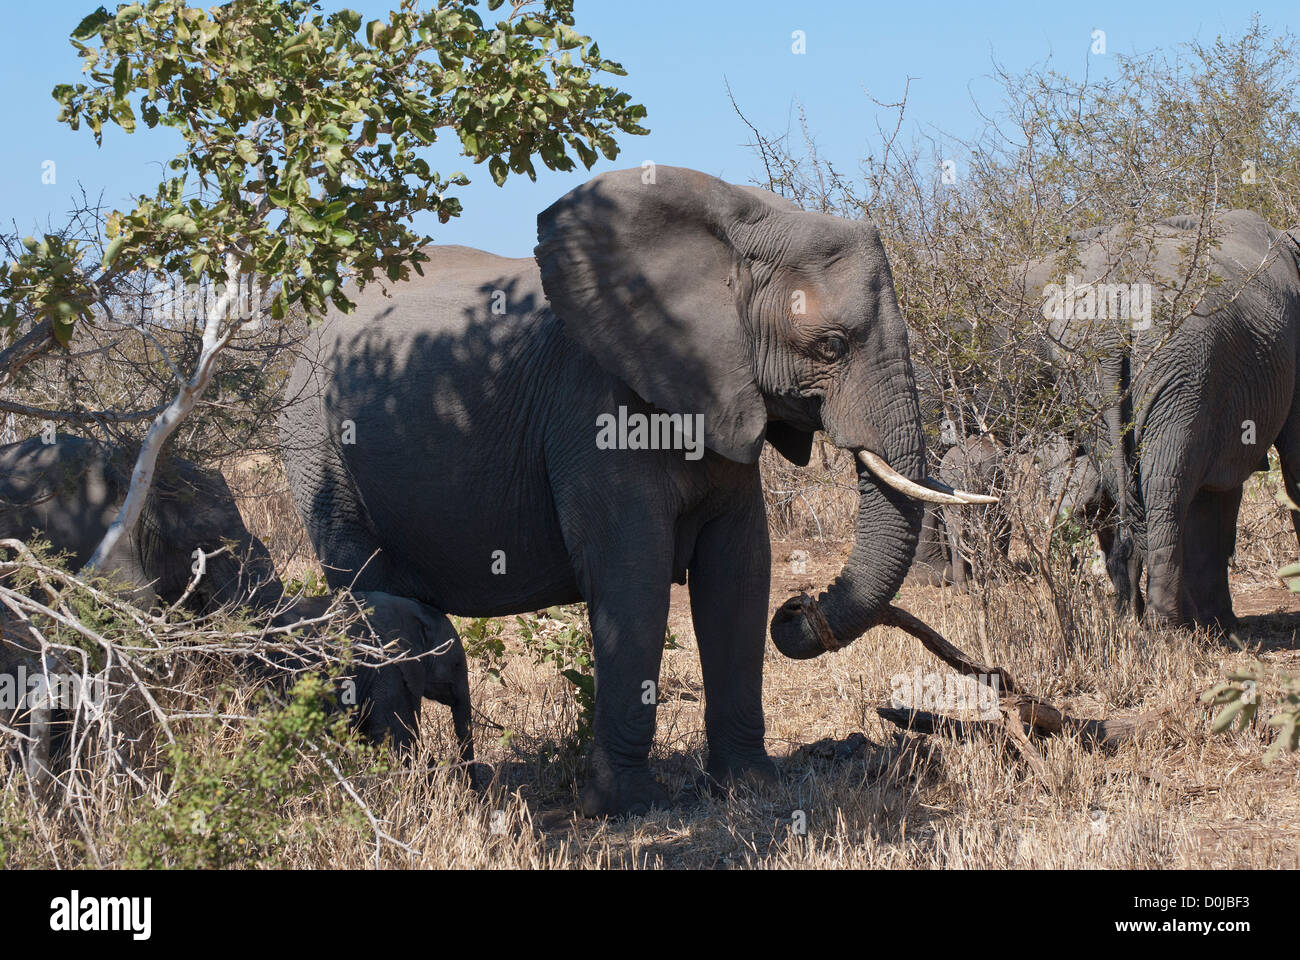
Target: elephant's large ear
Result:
[[643, 268]]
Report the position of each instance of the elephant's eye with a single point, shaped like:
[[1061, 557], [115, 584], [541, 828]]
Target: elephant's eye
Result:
[[832, 346]]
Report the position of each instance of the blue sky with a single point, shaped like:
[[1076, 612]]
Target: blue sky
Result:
[[677, 53]]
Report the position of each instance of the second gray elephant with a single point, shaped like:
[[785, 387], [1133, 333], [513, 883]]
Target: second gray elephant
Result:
[[974, 464], [1212, 374]]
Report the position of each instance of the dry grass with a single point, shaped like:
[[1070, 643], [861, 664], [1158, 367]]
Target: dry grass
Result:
[[1180, 797], [260, 489]]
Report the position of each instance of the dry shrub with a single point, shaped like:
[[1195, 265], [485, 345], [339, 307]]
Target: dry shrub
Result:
[[817, 501], [1178, 797], [261, 490]]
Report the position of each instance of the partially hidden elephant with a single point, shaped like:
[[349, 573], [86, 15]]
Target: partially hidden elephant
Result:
[[423, 657], [501, 435], [1210, 373], [942, 554], [68, 492]]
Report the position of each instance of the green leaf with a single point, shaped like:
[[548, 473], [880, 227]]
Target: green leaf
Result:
[[332, 211], [181, 223], [113, 250], [91, 25], [497, 167], [247, 151], [1226, 715]]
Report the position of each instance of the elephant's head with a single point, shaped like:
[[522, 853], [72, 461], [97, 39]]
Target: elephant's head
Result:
[[772, 323]]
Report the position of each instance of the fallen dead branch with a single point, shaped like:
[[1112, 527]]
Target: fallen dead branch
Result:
[[1020, 715]]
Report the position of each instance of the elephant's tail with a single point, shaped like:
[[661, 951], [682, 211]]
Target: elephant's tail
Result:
[[1121, 470]]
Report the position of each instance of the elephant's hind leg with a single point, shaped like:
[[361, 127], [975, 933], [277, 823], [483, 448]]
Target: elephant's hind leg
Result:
[[1288, 450], [1166, 511], [339, 530], [1209, 539]]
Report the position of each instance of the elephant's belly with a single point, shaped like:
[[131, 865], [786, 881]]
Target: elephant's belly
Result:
[[469, 558]]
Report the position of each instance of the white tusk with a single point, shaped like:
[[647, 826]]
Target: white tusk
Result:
[[963, 495], [917, 491]]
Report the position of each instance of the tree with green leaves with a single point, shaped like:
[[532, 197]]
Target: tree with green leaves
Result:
[[302, 164]]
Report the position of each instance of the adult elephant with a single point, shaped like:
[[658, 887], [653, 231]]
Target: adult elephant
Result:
[[503, 435], [1211, 373], [68, 491]]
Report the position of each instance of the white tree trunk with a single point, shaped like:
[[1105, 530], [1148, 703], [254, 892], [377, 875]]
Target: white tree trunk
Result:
[[218, 328]]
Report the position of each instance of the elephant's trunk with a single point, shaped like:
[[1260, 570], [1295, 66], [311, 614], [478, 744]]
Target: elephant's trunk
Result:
[[888, 524]]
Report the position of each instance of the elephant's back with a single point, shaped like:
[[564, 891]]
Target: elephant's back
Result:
[[433, 335], [64, 491], [458, 289], [420, 422]]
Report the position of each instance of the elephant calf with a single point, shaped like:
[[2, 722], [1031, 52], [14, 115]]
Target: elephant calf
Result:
[[388, 696]]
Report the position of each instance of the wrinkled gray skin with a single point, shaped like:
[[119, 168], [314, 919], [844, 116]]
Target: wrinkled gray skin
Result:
[[68, 492], [475, 432], [388, 698], [1233, 360], [974, 464]]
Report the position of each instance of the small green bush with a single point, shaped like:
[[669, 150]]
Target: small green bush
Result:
[[236, 808]]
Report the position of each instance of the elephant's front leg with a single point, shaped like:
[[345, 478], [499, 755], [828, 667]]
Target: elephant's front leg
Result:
[[729, 584], [628, 605]]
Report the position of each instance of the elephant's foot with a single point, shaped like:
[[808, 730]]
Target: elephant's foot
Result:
[[1227, 627], [478, 776], [725, 771], [625, 792]]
